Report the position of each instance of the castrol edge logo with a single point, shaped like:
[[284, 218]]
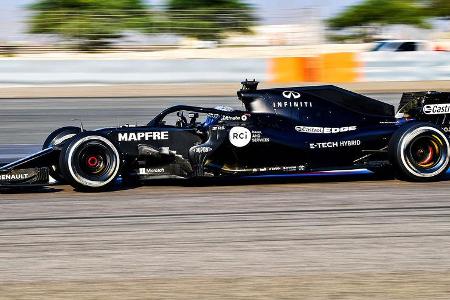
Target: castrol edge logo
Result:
[[436, 109], [325, 130]]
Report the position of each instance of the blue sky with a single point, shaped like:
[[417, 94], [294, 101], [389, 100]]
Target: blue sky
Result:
[[270, 11]]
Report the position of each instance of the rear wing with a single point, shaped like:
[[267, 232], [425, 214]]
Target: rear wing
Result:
[[431, 107]]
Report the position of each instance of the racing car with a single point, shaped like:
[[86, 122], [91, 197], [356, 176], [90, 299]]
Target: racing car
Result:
[[286, 131]]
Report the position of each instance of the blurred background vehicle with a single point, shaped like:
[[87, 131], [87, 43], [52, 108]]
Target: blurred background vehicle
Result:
[[402, 46]]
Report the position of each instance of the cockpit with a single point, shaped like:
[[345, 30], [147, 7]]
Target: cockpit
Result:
[[191, 117]]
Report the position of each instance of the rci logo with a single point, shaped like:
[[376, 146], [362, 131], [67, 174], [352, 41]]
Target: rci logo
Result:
[[291, 94], [239, 136]]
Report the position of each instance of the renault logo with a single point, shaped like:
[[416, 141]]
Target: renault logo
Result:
[[291, 94]]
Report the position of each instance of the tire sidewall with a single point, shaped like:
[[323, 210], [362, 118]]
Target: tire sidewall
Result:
[[68, 154], [62, 135]]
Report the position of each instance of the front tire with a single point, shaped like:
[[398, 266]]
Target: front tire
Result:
[[58, 138], [90, 162], [419, 152]]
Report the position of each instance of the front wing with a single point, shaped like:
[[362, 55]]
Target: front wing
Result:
[[24, 177], [31, 170]]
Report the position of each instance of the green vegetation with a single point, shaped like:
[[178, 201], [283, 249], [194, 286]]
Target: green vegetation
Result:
[[210, 19], [439, 8], [372, 14], [91, 24], [381, 12]]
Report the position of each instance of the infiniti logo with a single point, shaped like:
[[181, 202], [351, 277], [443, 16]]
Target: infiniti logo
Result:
[[291, 94]]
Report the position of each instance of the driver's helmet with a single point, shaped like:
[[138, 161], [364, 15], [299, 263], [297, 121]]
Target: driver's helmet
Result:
[[213, 118]]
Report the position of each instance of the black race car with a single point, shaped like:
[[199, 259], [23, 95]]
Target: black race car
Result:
[[281, 131]]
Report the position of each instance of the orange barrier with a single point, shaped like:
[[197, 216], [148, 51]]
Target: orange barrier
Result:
[[287, 69], [330, 67], [339, 67]]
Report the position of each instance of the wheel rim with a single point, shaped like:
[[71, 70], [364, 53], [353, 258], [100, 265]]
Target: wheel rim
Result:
[[427, 154], [425, 151], [94, 162]]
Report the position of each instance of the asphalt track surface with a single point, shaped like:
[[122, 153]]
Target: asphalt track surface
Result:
[[320, 238]]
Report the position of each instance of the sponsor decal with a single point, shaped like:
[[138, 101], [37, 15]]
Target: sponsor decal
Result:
[[257, 137], [13, 177], [291, 95], [349, 143], [143, 136], [436, 109], [301, 168], [235, 118], [218, 127], [291, 104], [289, 169], [239, 136], [202, 149], [280, 169], [149, 171], [325, 130]]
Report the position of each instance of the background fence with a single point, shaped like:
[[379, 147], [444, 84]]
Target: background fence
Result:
[[330, 67]]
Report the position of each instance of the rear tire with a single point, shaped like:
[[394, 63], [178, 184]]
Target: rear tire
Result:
[[419, 152], [90, 162], [58, 138]]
